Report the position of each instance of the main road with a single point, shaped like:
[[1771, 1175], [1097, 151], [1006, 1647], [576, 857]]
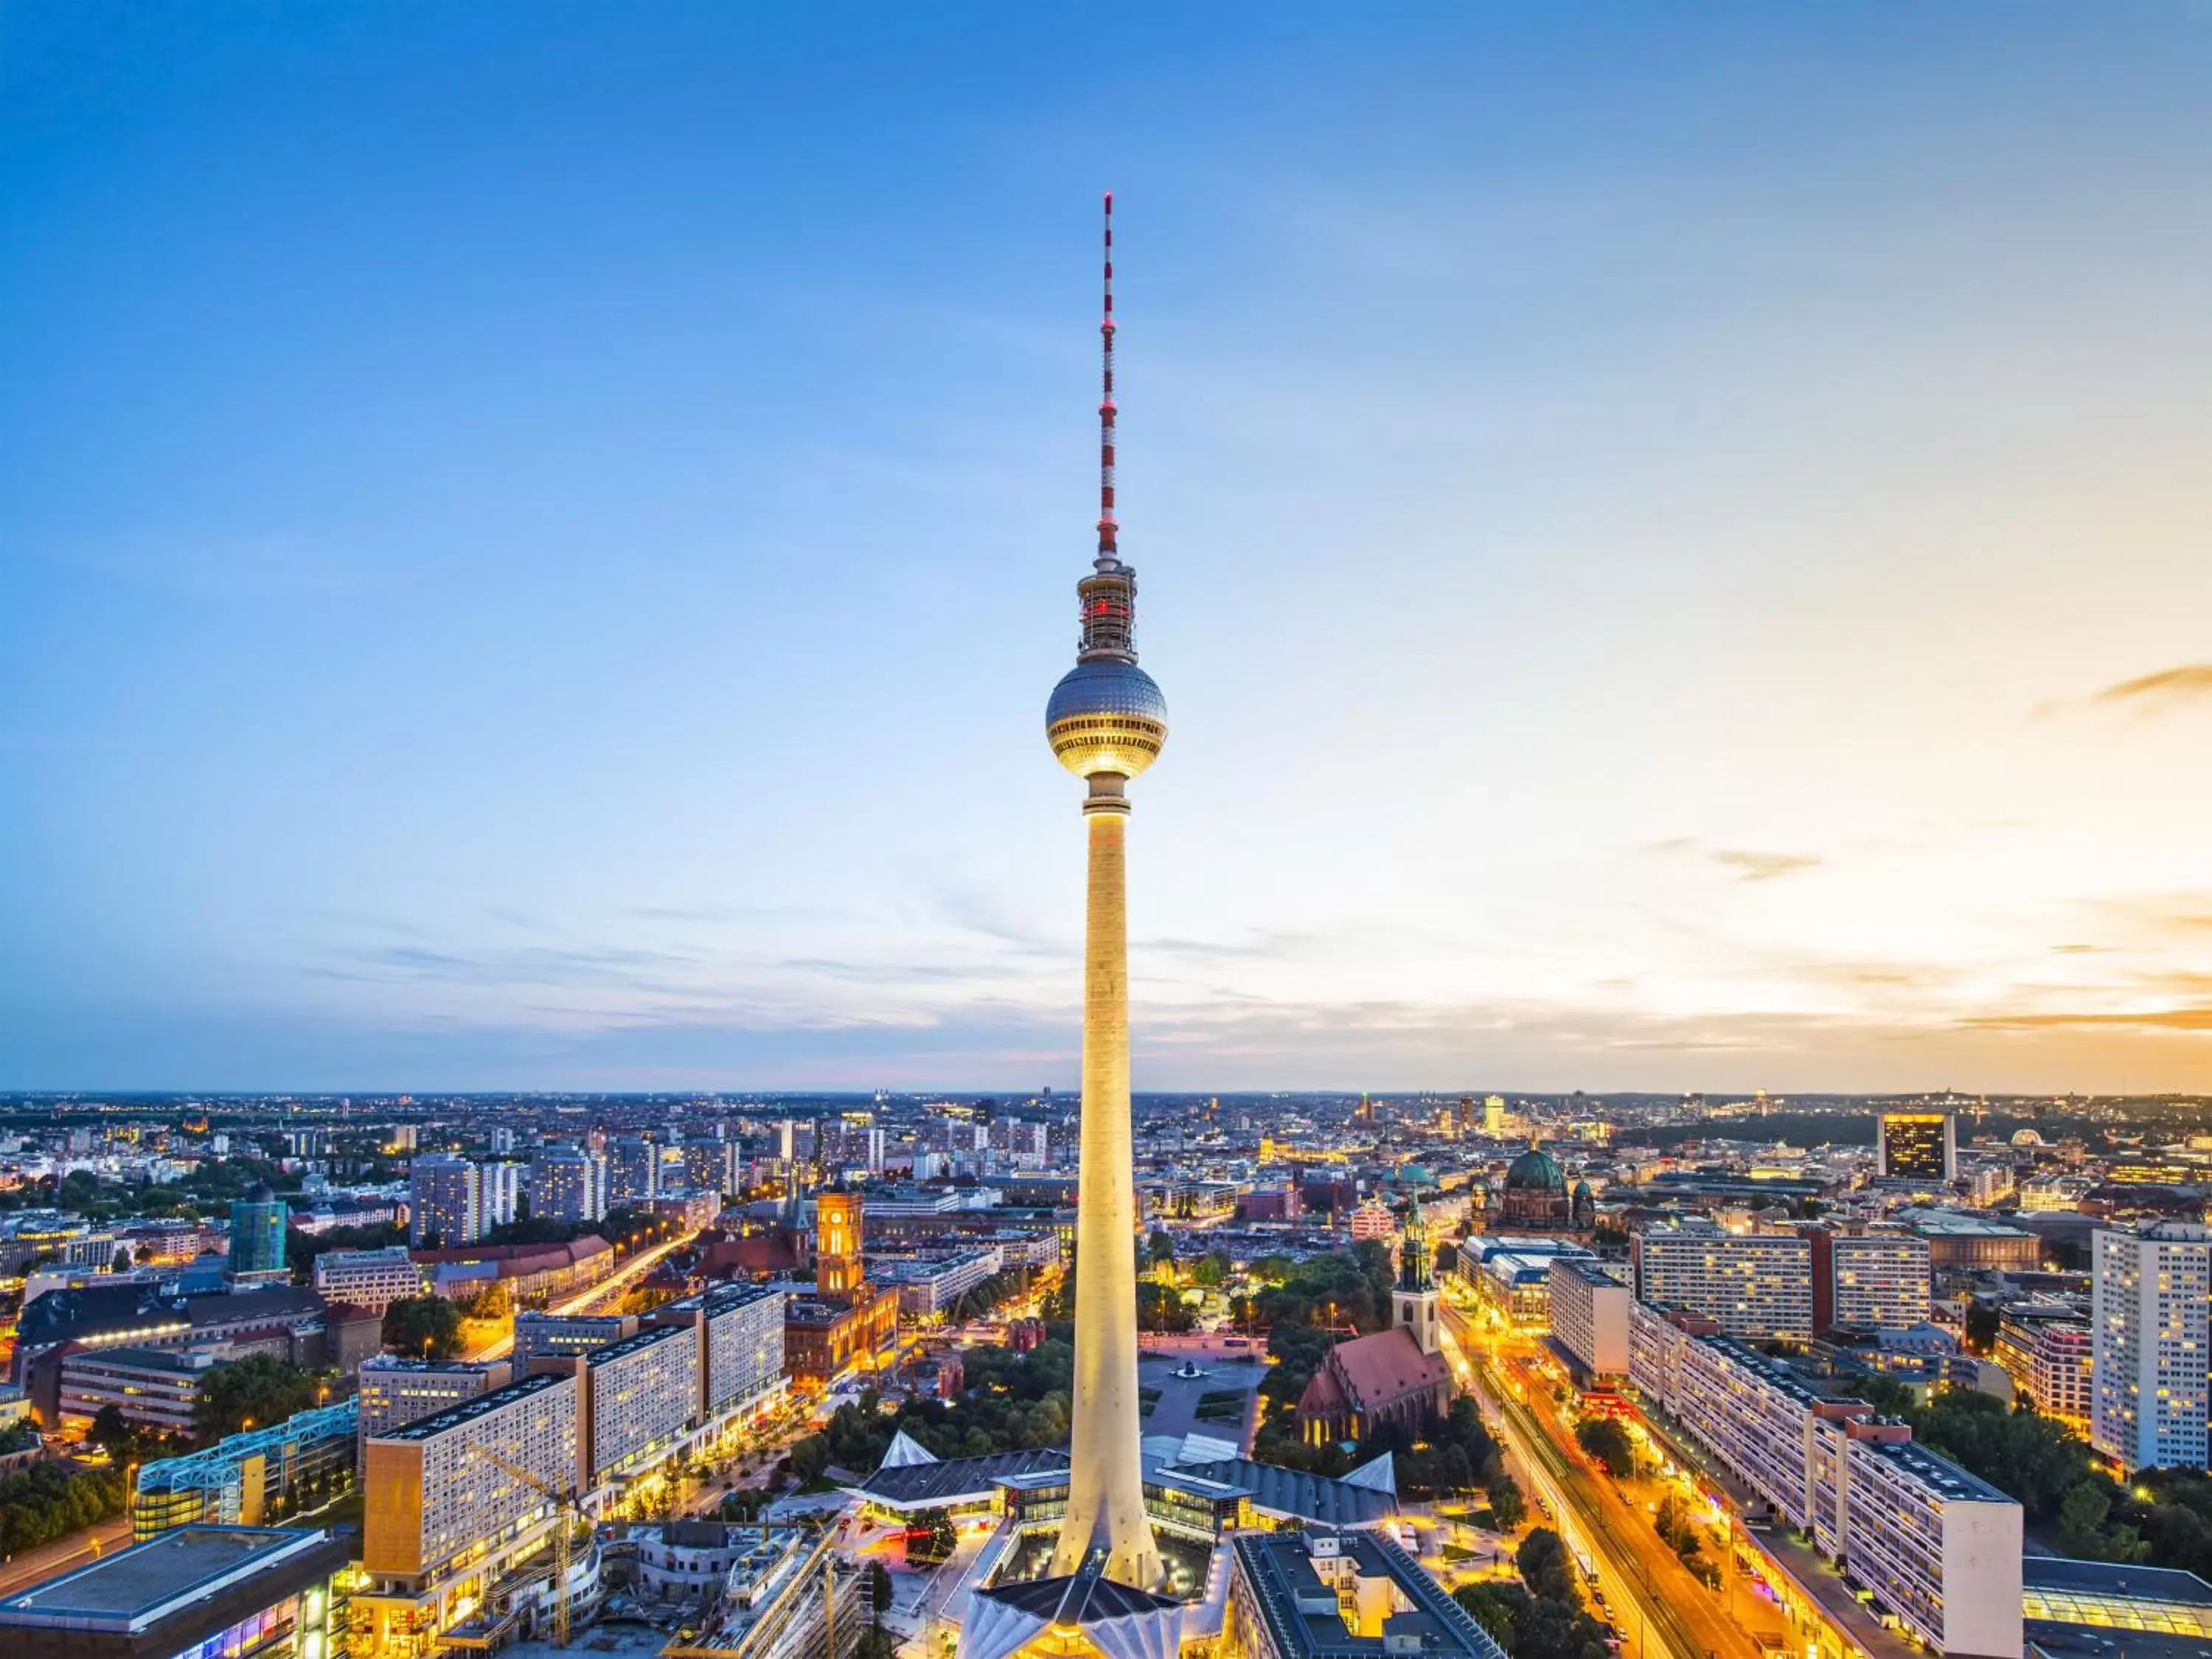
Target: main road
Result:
[[622, 1277], [1664, 1613]]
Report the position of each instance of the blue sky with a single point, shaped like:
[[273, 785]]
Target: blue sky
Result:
[[534, 537]]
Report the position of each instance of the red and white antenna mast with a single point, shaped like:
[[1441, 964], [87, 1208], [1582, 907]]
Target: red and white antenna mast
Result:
[[1109, 551]]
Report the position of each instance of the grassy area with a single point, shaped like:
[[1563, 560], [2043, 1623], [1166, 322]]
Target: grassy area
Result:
[[1147, 1398], [1222, 1408]]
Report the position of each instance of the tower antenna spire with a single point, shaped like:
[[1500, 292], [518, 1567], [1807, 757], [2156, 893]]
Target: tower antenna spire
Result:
[[1109, 553]]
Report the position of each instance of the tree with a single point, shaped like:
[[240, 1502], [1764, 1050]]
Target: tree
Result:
[[1545, 1568], [879, 1590], [121, 1263], [424, 1326], [251, 1393], [938, 1541], [1160, 1247], [1508, 1508], [1498, 1606], [1554, 1629], [1981, 1326], [1608, 1443]]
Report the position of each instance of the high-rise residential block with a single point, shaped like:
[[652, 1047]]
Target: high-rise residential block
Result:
[[1757, 1285], [568, 1183], [445, 1200], [1868, 1281], [2049, 1350], [2151, 1310]]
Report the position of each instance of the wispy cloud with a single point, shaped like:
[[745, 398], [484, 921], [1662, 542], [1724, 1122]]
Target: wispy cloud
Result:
[[2146, 694], [1765, 866]]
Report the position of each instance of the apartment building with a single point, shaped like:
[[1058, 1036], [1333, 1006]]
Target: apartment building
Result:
[[444, 1200], [1589, 1316], [2151, 1313], [1757, 1285], [1937, 1548], [1326, 1594], [2049, 1351], [443, 1522], [640, 1400], [738, 1330], [374, 1279], [568, 1183], [1868, 1281]]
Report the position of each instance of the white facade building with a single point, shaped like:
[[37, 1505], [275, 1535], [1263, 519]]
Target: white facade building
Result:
[[1758, 1286], [2151, 1313], [1589, 1316], [374, 1279]]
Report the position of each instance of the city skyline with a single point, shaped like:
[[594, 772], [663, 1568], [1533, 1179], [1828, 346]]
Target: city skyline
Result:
[[1716, 497]]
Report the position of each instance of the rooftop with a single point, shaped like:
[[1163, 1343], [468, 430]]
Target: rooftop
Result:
[[139, 1587], [1939, 1474], [469, 1411], [1300, 1610]]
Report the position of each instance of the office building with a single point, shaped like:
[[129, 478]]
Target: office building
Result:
[[2151, 1310], [196, 1592], [568, 1183], [374, 1279], [1757, 1285], [257, 1235], [1868, 1281], [444, 1200], [564, 1336], [156, 1388], [1588, 1316], [1917, 1147], [713, 1166], [2049, 1351]]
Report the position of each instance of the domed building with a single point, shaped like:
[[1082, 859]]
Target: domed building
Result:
[[1535, 1193]]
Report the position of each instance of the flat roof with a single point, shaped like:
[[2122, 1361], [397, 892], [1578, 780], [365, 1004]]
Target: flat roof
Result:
[[429, 1428], [2121, 1579], [1939, 1474], [630, 1345], [138, 1586]]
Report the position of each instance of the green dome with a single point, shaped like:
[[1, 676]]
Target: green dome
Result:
[[1533, 1171]]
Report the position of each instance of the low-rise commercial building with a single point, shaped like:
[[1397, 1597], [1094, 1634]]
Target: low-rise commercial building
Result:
[[197, 1592], [262, 1474], [1317, 1595]]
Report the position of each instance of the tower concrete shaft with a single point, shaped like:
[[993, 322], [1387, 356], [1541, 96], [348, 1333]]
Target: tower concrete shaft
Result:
[[1106, 1483]]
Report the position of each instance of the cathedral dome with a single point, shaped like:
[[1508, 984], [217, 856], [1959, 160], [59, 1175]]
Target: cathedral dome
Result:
[[1535, 1172]]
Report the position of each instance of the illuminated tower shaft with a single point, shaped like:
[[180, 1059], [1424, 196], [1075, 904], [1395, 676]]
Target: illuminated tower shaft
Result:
[[1106, 1487], [1106, 722]]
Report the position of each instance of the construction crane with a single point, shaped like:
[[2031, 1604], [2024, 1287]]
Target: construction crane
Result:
[[562, 1501]]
